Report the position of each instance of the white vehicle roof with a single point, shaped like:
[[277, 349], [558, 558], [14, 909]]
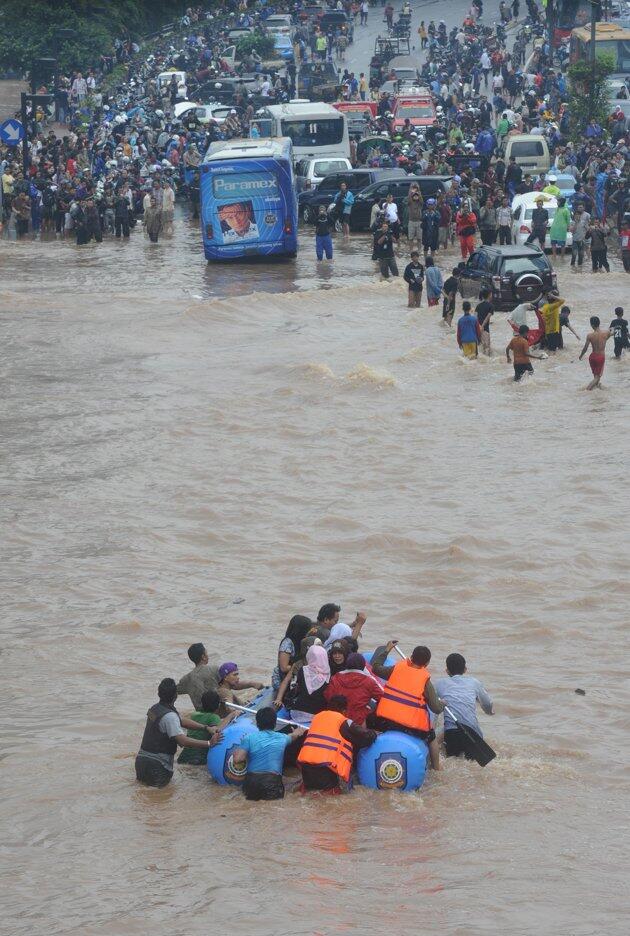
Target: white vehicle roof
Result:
[[529, 200], [312, 109], [167, 75], [236, 149]]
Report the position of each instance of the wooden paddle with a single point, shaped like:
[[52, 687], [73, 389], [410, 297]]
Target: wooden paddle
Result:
[[481, 751]]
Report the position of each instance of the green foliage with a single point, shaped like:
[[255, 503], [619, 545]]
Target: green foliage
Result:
[[256, 42], [589, 92], [29, 28]]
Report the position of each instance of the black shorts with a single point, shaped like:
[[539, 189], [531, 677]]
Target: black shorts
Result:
[[520, 369], [151, 772], [620, 344], [263, 786], [457, 743]]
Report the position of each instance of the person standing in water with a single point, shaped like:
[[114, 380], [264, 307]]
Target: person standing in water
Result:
[[597, 358], [163, 733]]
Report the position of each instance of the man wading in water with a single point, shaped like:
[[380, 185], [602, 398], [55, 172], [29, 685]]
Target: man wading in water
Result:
[[597, 358]]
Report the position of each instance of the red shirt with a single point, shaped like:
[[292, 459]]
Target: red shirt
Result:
[[358, 688]]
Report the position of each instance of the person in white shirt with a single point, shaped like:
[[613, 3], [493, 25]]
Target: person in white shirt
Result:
[[265, 88], [461, 694], [486, 66], [79, 88], [168, 206]]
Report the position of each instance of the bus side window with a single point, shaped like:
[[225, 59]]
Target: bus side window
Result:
[[265, 127]]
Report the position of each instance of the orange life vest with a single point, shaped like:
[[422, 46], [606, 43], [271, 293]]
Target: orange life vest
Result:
[[403, 697], [325, 746]]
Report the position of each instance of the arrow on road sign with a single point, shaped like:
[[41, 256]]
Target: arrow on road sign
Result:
[[11, 132]]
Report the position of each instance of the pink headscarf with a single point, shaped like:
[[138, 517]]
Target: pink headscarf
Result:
[[317, 669]]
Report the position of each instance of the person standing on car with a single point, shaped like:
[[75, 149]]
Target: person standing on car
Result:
[[540, 218], [344, 200], [430, 227], [384, 250], [323, 239]]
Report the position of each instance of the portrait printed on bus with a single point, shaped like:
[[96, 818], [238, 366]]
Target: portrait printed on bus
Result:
[[238, 222]]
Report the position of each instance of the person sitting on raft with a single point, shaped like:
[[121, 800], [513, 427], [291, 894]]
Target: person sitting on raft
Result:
[[328, 750], [337, 656], [206, 715], [289, 649], [163, 732], [306, 697], [229, 681], [200, 679], [407, 697], [357, 685], [339, 630], [460, 693], [263, 751]]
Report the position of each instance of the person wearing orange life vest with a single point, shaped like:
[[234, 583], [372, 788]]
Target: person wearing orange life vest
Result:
[[407, 697], [327, 753]]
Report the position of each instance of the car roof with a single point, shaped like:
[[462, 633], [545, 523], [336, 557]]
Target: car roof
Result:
[[529, 198], [512, 251]]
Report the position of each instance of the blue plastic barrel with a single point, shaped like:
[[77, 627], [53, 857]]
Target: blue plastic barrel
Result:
[[396, 761], [220, 764]]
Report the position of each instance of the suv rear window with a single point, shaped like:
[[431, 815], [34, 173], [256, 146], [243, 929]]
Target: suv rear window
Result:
[[527, 148], [517, 265]]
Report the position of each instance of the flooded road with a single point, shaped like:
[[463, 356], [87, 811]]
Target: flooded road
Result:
[[178, 437]]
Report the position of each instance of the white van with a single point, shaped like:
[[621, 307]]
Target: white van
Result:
[[164, 80], [530, 151]]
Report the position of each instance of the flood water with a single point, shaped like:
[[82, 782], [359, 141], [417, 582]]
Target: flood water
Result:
[[196, 452]]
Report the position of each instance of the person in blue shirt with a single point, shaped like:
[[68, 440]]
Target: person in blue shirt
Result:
[[344, 200], [263, 752], [461, 694]]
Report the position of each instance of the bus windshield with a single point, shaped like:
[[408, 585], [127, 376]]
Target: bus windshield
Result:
[[323, 132]]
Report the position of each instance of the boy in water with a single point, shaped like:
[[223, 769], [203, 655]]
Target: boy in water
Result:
[[619, 329], [461, 693], [597, 358], [414, 277], [519, 345], [450, 292], [468, 332]]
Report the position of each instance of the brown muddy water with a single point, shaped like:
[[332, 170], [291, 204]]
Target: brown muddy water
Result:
[[178, 437]]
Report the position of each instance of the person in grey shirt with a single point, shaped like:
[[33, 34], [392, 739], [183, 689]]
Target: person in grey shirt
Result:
[[461, 693], [578, 227]]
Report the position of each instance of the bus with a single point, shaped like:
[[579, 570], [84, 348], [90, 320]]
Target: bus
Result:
[[248, 199], [314, 128], [609, 37]]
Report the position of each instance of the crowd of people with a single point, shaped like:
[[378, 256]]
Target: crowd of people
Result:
[[334, 700]]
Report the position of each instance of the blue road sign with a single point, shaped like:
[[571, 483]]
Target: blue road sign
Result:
[[11, 132]]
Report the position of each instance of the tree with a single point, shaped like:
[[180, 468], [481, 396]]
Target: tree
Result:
[[31, 29], [589, 93], [256, 42]]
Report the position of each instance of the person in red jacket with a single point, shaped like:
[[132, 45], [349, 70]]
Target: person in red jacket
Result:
[[357, 685], [465, 226]]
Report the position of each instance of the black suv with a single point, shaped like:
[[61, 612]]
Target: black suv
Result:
[[512, 274], [430, 186], [356, 180]]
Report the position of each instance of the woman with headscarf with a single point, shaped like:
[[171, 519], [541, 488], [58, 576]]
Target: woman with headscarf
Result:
[[289, 649], [338, 632], [357, 685], [337, 656], [306, 697]]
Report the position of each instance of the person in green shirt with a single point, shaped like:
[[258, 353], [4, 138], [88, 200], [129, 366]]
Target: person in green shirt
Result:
[[559, 227], [503, 128], [210, 702]]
